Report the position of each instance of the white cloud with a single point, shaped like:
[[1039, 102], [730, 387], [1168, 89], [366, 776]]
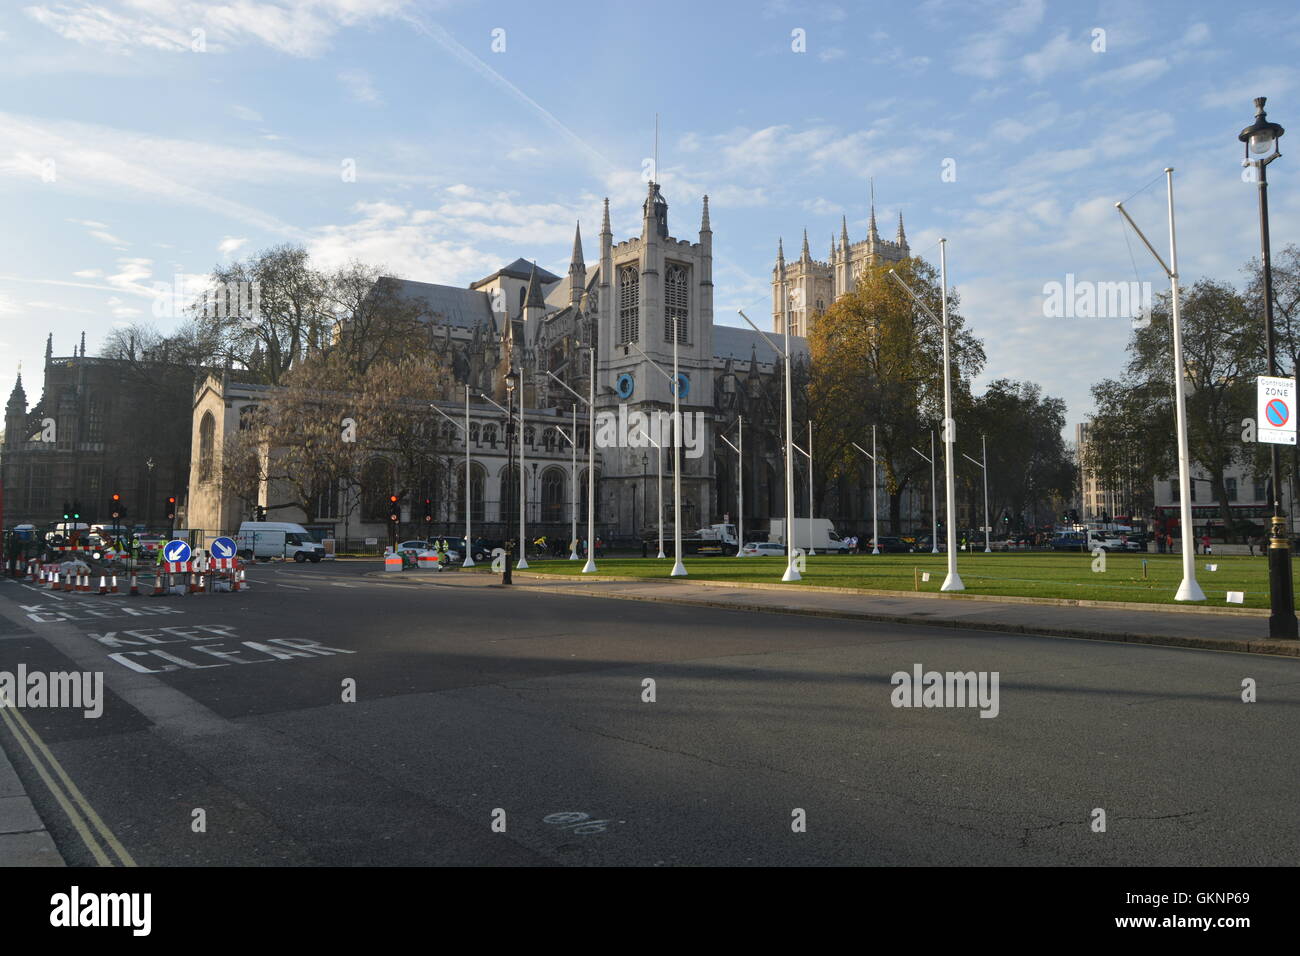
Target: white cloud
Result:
[[230, 245], [360, 88], [1132, 75], [988, 53], [245, 113], [301, 28]]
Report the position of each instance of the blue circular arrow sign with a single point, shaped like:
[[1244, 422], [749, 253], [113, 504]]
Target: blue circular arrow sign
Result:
[[176, 551], [222, 548]]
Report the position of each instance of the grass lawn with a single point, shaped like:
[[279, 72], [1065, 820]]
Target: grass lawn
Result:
[[1033, 574]]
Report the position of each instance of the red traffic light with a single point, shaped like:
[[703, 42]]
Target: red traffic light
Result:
[[393, 498], [116, 496]]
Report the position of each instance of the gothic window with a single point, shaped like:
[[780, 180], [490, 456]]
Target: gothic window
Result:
[[677, 297], [325, 498], [490, 436], [38, 487], [477, 486], [95, 422], [207, 433], [473, 432], [246, 414], [553, 495], [548, 439], [529, 436], [376, 486], [629, 304]]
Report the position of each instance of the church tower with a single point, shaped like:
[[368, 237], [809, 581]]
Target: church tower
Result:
[[16, 414]]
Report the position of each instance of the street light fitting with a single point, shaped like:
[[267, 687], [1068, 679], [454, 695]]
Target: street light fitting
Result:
[[1261, 137]]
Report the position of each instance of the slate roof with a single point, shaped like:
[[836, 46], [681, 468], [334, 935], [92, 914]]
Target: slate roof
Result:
[[732, 342], [459, 307], [519, 269]]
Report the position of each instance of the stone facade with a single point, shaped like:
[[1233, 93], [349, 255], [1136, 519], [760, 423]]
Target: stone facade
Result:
[[112, 421]]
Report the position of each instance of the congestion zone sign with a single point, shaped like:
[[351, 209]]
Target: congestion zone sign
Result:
[[1276, 406]]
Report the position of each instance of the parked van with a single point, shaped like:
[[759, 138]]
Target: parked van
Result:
[[274, 539], [824, 537]]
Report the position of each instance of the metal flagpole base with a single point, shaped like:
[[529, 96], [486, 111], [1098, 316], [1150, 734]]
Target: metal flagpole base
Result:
[[875, 550], [953, 583], [988, 550], [468, 562], [1189, 590], [791, 574], [661, 555], [679, 570], [589, 567], [934, 550], [573, 556], [522, 563]]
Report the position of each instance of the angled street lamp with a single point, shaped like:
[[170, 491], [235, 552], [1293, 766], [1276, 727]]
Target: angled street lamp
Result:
[[934, 496], [679, 569], [590, 566], [1188, 589], [522, 563], [659, 466], [875, 500], [1261, 139], [984, 467], [739, 449], [791, 573], [469, 547], [573, 485], [807, 454], [953, 581]]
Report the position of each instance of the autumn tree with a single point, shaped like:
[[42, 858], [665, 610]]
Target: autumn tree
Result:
[[877, 359]]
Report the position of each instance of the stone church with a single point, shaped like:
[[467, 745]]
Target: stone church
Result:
[[640, 293]]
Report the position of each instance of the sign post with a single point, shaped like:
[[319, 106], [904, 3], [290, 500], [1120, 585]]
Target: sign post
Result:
[[1275, 401]]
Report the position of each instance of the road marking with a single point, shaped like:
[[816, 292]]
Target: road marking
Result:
[[14, 720], [291, 587], [340, 584]]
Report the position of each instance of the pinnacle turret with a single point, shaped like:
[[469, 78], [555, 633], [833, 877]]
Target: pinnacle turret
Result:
[[704, 218]]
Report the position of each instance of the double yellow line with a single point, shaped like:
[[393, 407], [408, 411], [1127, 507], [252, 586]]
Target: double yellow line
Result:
[[81, 814]]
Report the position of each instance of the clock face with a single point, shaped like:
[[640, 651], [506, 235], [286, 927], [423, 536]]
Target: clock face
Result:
[[683, 385], [626, 385]]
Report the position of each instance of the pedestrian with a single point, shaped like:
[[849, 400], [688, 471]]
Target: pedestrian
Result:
[[1206, 547], [600, 547], [645, 548]]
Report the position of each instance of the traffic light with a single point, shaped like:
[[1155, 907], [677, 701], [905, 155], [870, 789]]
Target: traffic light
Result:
[[169, 508], [394, 512], [260, 513], [67, 510], [117, 509], [428, 510]]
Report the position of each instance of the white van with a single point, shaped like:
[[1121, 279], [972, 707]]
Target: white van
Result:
[[275, 539], [824, 537]]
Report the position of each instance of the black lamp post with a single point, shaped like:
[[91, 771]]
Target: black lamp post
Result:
[[510, 470], [1261, 139]]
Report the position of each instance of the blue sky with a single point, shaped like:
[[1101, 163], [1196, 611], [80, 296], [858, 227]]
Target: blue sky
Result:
[[128, 158]]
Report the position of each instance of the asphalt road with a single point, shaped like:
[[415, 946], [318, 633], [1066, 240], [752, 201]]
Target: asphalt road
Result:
[[476, 704]]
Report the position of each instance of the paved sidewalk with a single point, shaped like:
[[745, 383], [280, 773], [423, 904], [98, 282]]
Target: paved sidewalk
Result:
[[24, 840], [1241, 630]]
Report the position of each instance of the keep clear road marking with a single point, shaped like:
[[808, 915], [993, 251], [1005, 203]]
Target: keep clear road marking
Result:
[[27, 737]]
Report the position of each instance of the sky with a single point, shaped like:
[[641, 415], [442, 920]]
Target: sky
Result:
[[143, 142]]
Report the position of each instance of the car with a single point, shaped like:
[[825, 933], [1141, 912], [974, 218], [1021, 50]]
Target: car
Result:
[[892, 545], [922, 543], [1067, 541], [758, 549], [415, 545]]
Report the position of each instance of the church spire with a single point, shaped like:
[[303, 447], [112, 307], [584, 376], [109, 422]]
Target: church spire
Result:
[[804, 255], [83, 344], [872, 235], [902, 238], [604, 223], [533, 298], [577, 269], [576, 261], [49, 348], [780, 253], [18, 397]]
